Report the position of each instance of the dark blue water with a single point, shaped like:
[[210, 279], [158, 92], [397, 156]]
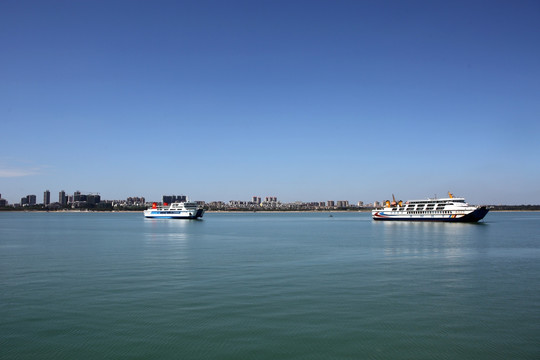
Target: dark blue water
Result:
[[268, 286]]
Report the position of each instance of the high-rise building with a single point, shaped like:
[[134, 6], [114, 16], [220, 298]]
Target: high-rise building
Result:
[[62, 198], [46, 197], [93, 199], [331, 203], [77, 196], [169, 199], [31, 199]]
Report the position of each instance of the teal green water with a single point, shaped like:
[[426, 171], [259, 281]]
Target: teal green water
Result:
[[268, 286]]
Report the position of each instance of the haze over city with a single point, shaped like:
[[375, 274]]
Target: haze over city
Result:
[[302, 100]]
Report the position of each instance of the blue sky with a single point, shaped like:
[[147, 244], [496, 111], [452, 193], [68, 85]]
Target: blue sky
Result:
[[303, 100]]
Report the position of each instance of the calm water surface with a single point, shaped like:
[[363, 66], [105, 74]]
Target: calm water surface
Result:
[[268, 286]]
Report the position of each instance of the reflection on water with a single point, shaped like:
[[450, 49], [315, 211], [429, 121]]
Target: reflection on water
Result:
[[168, 240], [449, 240], [177, 229]]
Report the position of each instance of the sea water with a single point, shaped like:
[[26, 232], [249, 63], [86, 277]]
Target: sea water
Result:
[[268, 286]]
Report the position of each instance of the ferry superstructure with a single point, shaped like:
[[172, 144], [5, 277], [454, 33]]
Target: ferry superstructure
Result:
[[176, 210], [451, 209]]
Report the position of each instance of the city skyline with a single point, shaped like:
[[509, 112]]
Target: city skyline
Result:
[[64, 198], [303, 100]]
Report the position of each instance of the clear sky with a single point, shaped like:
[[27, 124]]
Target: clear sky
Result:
[[303, 100]]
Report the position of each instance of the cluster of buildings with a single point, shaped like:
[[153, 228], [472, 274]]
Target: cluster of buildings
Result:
[[272, 203], [77, 200], [93, 200]]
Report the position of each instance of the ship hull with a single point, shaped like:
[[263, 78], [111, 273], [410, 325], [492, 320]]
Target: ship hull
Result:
[[157, 214], [471, 217]]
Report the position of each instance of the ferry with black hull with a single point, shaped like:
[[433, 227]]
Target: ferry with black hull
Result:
[[176, 210], [451, 209]]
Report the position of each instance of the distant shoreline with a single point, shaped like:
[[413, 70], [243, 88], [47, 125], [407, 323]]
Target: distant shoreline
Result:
[[225, 211]]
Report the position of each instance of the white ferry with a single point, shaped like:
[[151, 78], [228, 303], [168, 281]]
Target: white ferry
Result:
[[451, 209], [176, 210]]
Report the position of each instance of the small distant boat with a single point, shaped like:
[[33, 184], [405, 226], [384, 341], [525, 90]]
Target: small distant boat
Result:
[[451, 209], [176, 210]]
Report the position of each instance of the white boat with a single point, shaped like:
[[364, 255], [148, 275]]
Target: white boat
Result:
[[176, 210], [450, 209]]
